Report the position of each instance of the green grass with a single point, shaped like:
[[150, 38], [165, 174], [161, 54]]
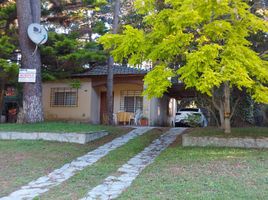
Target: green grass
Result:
[[24, 161], [236, 132], [59, 127], [203, 173], [178, 173], [78, 186]]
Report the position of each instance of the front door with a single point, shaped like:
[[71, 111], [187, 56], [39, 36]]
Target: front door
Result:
[[103, 108]]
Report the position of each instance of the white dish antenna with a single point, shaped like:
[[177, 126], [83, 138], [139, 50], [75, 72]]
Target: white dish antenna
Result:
[[37, 33]]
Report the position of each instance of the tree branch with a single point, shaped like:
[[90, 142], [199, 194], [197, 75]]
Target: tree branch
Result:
[[234, 107], [214, 115], [214, 102]]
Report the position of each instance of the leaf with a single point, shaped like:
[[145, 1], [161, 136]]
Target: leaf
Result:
[[158, 81]]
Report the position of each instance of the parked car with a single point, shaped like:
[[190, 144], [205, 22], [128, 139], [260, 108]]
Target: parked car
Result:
[[190, 117]]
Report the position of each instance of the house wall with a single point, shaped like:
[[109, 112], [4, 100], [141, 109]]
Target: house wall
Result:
[[159, 111], [88, 109], [95, 98], [156, 109], [121, 87], [80, 113], [95, 106]]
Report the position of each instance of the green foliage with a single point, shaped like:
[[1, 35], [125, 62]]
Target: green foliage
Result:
[[212, 37], [157, 81], [8, 70], [6, 48], [95, 3], [64, 54], [75, 84], [130, 44], [7, 13], [244, 110], [99, 27], [193, 120]]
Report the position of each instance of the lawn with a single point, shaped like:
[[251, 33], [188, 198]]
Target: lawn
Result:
[[59, 127], [78, 186], [24, 161], [254, 132], [178, 173], [203, 173]]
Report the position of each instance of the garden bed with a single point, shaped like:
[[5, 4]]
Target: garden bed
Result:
[[252, 137], [80, 133], [80, 138]]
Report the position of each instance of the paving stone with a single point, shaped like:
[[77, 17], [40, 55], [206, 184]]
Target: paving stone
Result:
[[113, 186], [45, 183]]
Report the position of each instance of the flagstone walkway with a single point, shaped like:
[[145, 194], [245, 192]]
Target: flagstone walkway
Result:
[[43, 184], [113, 186]]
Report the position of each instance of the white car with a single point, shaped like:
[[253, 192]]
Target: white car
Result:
[[190, 117]]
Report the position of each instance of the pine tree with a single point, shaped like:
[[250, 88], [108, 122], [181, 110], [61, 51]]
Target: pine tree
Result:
[[8, 68], [29, 11]]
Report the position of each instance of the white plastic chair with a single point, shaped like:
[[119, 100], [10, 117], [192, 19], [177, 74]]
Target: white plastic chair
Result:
[[137, 117], [115, 119]]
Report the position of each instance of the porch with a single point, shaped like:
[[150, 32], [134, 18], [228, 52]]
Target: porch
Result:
[[127, 99]]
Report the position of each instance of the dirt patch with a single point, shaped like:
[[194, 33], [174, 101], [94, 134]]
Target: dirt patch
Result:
[[230, 168], [6, 159], [177, 170]]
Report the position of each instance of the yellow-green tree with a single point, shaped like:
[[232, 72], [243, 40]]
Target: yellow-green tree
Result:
[[204, 42]]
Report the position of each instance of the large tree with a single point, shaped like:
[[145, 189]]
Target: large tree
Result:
[[71, 47], [206, 43], [29, 11], [64, 55], [110, 74]]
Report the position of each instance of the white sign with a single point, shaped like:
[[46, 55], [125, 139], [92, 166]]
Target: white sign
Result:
[[27, 75]]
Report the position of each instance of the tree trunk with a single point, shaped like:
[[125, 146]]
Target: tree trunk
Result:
[[218, 105], [2, 92], [227, 109], [29, 11], [110, 74], [110, 83], [221, 113]]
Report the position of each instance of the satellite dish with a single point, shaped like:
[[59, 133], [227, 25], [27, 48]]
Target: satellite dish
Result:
[[37, 33]]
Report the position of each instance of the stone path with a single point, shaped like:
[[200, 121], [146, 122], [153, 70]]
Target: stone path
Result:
[[43, 184], [113, 186]]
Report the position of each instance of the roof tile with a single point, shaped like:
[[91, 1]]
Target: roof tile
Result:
[[117, 69]]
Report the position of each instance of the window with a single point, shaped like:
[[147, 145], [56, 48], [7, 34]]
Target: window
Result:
[[63, 97], [131, 101]]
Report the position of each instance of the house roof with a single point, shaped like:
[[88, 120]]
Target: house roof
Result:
[[117, 69]]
